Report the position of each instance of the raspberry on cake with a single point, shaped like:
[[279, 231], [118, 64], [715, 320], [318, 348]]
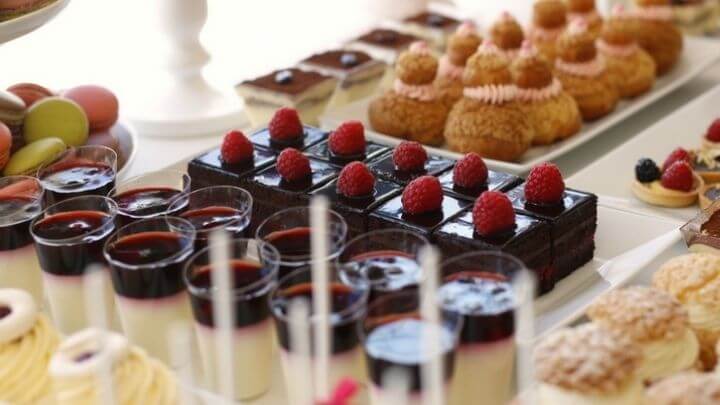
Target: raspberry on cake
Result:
[[470, 172], [348, 139], [422, 195], [309, 92], [236, 148], [293, 165], [409, 156], [285, 126], [544, 185], [358, 73], [493, 213], [356, 180]]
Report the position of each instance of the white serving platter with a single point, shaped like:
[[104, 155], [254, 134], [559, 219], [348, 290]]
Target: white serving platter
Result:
[[28, 23], [699, 54], [610, 176]]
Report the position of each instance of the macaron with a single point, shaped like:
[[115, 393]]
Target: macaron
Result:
[[12, 114], [99, 103], [56, 117], [30, 93], [5, 144], [28, 159]]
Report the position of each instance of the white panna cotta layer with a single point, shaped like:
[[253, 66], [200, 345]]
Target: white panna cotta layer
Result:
[[384, 396], [19, 268], [252, 357], [66, 298], [148, 322], [483, 370]]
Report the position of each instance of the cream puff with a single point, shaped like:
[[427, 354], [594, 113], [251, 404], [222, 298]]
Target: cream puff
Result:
[[689, 388], [694, 280], [552, 111], [137, 379], [656, 322], [583, 72], [488, 119], [27, 340], [548, 23], [632, 68], [655, 32], [585, 10], [461, 45], [507, 34], [412, 109], [588, 365]]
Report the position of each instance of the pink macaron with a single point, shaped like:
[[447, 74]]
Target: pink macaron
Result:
[[5, 144], [30, 93], [100, 105]]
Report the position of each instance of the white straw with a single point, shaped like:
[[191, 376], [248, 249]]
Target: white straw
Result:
[[431, 371], [94, 283], [524, 292], [301, 384], [181, 350], [397, 383], [321, 299], [222, 312]]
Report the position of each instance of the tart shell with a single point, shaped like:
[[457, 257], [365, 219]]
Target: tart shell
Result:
[[666, 197]]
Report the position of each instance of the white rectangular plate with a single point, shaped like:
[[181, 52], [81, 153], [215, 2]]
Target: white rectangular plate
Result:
[[611, 176], [699, 54]]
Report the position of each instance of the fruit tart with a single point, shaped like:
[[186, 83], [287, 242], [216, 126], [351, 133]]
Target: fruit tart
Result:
[[552, 111], [677, 185]]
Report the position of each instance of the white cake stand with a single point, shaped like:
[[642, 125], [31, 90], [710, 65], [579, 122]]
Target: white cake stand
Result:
[[28, 23], [178, 101]]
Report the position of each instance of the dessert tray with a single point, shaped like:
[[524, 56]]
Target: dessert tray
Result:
[[27, 23], [610, 176], [698, 55]]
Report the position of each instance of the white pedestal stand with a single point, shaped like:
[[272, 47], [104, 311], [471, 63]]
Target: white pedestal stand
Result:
[[180, 102]]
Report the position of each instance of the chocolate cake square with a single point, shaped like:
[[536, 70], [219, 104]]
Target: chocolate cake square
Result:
[[356, 210], [573, 224], [271, 193], [209, 169], [529, 241], [497, 181], [386, 169], [384, 44], [322, 152], [311, 137], [391, 215]]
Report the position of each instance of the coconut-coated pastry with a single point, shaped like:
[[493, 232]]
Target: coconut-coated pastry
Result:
[[586, 10], [653, 28], [548, 23], [507, 34], [488, 119], [656, 322], [552, 111], [461, 45], [582, 70], [688, 388], [631, 67], [694, 280], [412, 109], [588, 365]]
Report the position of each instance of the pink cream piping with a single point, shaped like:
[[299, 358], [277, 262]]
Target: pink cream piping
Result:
[[620, 51], [449, 69], [492, 93], [424, 92], [591, 68], [533, 95]]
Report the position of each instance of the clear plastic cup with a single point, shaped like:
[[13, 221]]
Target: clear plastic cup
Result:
[[150, 195]]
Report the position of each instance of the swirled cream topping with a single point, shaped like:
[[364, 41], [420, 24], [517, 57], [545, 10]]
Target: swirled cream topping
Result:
[[620, 51], [450, 70], [534, 95], [425, 92], [492, 93], [23, 364], [592, 68]]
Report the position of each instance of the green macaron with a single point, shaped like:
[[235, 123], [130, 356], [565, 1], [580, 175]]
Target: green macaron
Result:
[[30, 157], [56, 117]]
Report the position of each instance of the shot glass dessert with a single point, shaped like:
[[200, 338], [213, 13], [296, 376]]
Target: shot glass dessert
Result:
[[289, 232], [85, 170], [347, 308], [213, 208], [254, 267], [146, 260], [393, 341], [20, 202], [149, 195], [69, 238], [386, 260], [478, 286]]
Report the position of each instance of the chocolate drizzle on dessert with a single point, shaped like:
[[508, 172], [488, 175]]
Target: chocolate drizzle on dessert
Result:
[[388, 38], [4, 311], [301, 80]]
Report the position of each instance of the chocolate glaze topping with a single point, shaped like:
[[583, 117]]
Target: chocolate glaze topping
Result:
[[388, 38], [339, 59], [301, 80], [433, 20]]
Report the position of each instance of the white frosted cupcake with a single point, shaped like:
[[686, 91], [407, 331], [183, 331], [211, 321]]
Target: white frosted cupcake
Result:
[[588, 365], [27, 340], [689, 388], [656, 322], [694, 280]]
